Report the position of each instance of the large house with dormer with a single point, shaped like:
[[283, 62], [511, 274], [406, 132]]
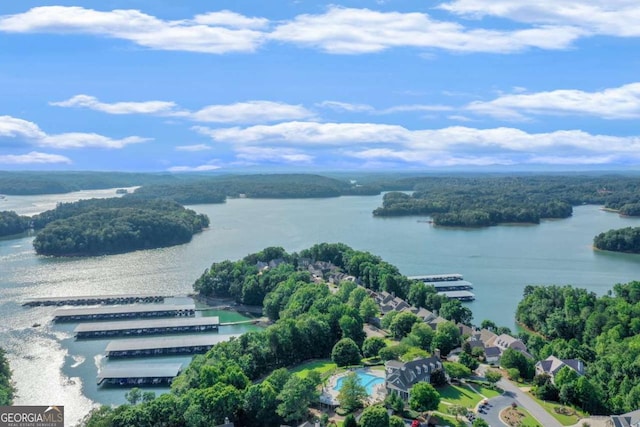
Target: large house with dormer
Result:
[[552, 365], [400, 377]]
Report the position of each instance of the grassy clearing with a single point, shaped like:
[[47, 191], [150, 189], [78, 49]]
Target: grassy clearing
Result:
[[565, 420], [486, 391], [459, 395], [324, 367]]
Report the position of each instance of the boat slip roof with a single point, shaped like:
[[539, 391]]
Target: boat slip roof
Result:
[[165, 342], [140, 370], [118, 309], [143, 324]]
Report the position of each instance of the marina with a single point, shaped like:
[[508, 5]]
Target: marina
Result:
[[123, 312], [147, 327], [165, 346], [97, 300], [453, 286], [135, 375]]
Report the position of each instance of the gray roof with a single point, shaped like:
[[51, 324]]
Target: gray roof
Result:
[[630, 419], [119, 309], [492, 351], [165, 342], [449, 283], [402, 376], [457, 294], [140, 370], [142, 324], [437, 277]]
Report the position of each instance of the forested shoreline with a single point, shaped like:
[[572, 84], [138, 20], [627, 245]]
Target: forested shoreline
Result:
[[488, 200], [115, 225], [625, 240], [6, 387]]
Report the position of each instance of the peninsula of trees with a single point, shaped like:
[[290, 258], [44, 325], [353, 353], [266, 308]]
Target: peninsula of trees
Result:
[[12, 223], [490, 200], [6, 387], [116, 225], [621, 240]]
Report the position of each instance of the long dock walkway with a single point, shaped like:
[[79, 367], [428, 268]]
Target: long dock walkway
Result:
[[97, 300], [123, 312], [182, 325]]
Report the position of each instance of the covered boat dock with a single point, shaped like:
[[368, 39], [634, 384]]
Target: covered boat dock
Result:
[[459, 295], [123, 312], [138, 374], [147, 327], [97, 299], [164, 346]]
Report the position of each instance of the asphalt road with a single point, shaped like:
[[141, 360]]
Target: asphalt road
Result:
[[512, 392]]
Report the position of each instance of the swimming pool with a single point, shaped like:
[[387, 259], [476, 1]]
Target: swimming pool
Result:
[[367, 380]]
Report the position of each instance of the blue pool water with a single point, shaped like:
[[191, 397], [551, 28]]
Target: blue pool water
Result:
[[367, 380]]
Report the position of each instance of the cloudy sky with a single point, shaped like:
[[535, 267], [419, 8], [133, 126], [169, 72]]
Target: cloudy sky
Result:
[[159, 85]]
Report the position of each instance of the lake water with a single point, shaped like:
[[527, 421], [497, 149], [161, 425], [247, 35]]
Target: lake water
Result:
[[50, 367]]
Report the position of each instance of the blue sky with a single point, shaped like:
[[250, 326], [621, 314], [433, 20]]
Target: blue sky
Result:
[[156, 85]]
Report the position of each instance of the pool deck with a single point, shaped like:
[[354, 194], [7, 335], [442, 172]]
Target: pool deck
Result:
[[329, 395]]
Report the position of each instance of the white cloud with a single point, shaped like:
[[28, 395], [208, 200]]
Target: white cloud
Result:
[[33, 157], [355, 31], [451, 145], [201, 168], [606, 17], [287, 155], [193, 148], [12, 127], [251, 112], [227, 18], [345, 106], [211, 33], [615, 103], [91, 102], [87, 140], [309, 133]]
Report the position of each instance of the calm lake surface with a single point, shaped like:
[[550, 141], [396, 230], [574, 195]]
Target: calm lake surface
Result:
[[50, 367]]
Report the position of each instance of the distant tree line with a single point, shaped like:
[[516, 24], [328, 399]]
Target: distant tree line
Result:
[[620, 240], [116, 225], [6, 387], [490, 200], [604, 332], [29, 183]]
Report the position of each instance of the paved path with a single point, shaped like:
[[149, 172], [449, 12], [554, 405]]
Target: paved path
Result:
[[511, 390]]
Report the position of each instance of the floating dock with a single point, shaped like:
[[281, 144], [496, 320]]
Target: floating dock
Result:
[[165, 346], [139, 374], [147, 327], [453, 286], [123, 312], [97, 299]]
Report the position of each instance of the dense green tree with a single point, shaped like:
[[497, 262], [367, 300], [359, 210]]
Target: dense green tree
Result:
[[350, 421], [295, 398], [469, 361], [372, 346], [421, 335], [492, 376], [345, 353], [402, 323], [423, 397], [374, 416], [514, 359], [479, 422], [6, 386], [447, 338], [352, 393], [395, 421], [621, 240], [394, 402], [456, 370], [368, 309], [456, 312]]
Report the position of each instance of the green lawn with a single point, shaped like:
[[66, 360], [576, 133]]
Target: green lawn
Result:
[[565, 420], [321, 366], [459, 395], [486, 391]]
